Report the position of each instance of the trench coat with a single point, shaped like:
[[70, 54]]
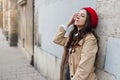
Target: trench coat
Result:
[[81, 61]]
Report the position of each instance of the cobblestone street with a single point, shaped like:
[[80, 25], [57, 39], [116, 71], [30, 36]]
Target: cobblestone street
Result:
[[14, 64]]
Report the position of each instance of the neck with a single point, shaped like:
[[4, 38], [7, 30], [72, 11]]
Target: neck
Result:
[[79, 28]]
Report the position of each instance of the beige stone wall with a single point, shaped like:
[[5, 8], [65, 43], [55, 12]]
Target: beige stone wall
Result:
[[109, 15], [48, 65], [1, 19], [108, 12], [12, 22], [5, 17], [1, 13], [25, 25]]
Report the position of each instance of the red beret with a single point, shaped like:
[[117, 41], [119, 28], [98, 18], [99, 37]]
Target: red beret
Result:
[[94, 17]]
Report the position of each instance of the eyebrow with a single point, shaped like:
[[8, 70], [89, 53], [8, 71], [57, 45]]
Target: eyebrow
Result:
[[82, 14]]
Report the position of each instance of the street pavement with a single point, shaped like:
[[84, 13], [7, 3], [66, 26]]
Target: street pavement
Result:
[[14, 64]]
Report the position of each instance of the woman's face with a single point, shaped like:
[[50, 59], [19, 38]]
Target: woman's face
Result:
[[80, 19]]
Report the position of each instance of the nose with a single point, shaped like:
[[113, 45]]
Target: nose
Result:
[[77, 17]]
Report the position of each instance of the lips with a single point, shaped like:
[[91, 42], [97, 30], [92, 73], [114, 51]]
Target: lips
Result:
[[76, 20]]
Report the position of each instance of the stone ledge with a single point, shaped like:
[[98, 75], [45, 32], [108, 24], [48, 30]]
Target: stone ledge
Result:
[[103, 75], [22, 2]]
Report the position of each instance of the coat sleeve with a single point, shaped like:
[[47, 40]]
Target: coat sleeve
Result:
[[59, 36], [87, 60]]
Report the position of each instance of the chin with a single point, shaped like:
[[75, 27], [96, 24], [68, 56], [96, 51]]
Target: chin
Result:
[[76, 24]]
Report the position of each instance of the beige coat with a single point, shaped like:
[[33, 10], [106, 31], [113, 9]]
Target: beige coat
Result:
[[81, 60]]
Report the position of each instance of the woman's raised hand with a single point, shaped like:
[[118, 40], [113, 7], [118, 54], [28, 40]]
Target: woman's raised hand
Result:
[[72, 19]]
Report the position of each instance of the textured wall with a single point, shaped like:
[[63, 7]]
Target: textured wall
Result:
[[1, 13], [25, 26], [5, 17], [108, 23], [108, 11], [47, 64], [1, 19], [12, 22]]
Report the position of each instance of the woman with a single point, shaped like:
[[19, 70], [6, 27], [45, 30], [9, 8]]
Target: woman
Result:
[[80, 47]]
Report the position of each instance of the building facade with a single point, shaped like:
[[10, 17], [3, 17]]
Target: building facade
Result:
[[18, 23], [1, 13], [10, 27], [5, 18], [25, 25], [32, 24]]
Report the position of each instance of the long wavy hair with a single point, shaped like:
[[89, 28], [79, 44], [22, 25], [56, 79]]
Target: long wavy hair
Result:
[[73, 40]]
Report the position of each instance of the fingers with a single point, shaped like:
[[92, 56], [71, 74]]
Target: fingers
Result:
[[72, 19], [75, 15]]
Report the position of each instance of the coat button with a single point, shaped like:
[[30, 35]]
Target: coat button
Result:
[[71, 76]]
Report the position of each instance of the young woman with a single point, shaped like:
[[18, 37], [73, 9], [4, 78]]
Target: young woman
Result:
[[80, 47]]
